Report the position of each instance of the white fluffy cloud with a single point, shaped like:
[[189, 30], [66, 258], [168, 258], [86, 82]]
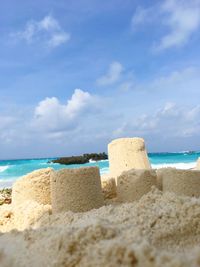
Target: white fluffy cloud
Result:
[[150, 109], [47, 30], [181, 18], [51, 115], [169, 121], [113, 74]]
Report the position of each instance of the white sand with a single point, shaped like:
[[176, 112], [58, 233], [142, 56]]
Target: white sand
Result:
[[161, 229], [198, 164], [127, 153], [133, 184], [33, 186], [77, 190], [181, 182]]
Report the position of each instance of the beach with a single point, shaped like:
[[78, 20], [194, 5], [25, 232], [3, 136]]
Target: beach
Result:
[[158, 230], [100, 133], [133, 215]]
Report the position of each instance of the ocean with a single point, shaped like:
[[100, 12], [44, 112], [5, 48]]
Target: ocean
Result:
[[11, 170]]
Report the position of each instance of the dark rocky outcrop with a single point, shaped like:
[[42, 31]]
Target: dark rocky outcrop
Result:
[[85, 158], [96, 156]]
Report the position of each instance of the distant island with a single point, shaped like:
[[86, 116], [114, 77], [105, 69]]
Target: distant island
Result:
[[85, 158]]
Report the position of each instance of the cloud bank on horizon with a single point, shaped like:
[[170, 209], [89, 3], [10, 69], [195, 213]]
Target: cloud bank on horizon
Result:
[[76, 75]]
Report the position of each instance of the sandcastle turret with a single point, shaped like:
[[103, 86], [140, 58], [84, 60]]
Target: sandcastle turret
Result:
[[77, 190], [33, 186], [133, 184], [198, 164], [181, 182], [127, 153]]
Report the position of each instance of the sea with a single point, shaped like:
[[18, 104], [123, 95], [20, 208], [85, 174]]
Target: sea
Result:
[[11, 170]]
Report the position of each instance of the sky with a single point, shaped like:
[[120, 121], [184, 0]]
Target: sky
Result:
[[75, 75]]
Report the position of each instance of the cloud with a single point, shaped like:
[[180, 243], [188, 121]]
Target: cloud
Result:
[[127, 85], [170, 121], [113, 74], [183, 19], [164, 110], [141, 16], [47, 30], [172, 118], [186, 80], [50, 123], [180, 18], [58, 39], [6, 121], [8, 127], [51, 115]]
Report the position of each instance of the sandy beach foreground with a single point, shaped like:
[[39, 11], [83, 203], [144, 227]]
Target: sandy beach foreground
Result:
[[161, 229], [137, 216]]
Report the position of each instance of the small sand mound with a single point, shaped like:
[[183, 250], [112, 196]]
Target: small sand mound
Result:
[[133, 184], [33, 186], [161, 229]]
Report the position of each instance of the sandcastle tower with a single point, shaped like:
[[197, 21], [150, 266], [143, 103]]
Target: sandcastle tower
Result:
[[77, 190], [133, 184], [34, 186], [181, 182], [127, 153], [198, 164]]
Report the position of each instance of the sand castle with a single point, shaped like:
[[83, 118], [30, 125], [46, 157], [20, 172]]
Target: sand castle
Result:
[[130, 154], [181, 182], [130, 178], [126, 154], [133, 184], [78, 190], [198, 164], [156, 228], [34, 186]]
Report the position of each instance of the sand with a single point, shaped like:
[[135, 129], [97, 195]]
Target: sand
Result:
[[160, 229], [198, 164], [125, 154], [77, 190], [181, 182], [133, 184], [33, 186]]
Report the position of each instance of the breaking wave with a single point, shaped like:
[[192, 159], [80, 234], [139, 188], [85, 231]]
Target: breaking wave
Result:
[[3, 168], [179, 165]]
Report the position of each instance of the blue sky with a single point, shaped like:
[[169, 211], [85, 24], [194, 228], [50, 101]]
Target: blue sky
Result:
[[76, 74]]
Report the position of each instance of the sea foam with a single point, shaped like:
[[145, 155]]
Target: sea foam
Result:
[[3, 168], [7, 183], [180, 165]]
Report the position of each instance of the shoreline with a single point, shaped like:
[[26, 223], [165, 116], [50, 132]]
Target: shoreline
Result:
[[4, 183]]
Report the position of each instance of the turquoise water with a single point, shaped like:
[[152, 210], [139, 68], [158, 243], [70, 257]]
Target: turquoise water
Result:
[[10, 170]]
